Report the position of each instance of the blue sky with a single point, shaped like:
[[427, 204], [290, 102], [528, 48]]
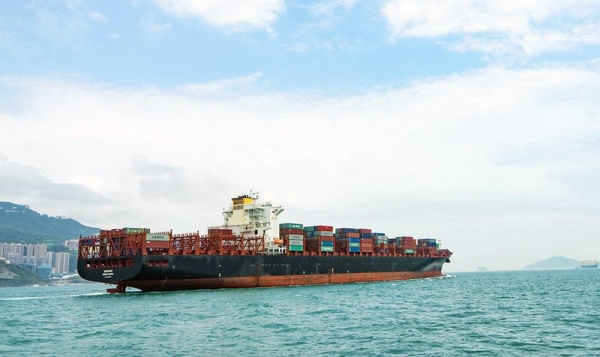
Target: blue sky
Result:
[[138, 43], [471, 121]]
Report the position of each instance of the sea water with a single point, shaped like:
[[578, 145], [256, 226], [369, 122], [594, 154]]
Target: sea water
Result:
[[520, 313]]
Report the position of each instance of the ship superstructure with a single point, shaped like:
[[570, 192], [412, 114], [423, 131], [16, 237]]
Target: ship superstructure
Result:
[[248, 216]]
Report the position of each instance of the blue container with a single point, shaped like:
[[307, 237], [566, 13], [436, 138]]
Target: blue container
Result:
[[346, 230], [378, 234], [354, 250], [326, 244], [365, 235], [353, 240]]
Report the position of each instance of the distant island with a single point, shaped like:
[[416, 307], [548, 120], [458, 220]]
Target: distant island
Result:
[[554, 263]]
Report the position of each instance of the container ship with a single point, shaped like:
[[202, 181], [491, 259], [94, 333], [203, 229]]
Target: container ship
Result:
[[589, 264], [251, 249]]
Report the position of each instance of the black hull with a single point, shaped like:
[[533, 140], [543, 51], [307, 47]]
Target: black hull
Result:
[[181, 272]]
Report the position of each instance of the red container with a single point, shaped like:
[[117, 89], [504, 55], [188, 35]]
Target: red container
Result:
[[324, 228], [364, 230], [291, 231], [218, 232], [157, 245], [325, 239], [366, 241]]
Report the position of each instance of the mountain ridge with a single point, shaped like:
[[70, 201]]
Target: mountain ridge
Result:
[[554, 263], [21, 224]]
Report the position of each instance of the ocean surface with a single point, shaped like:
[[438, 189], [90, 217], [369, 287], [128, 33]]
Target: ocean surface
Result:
[[520, 313]]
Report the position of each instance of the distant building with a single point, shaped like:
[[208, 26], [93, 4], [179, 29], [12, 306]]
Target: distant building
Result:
[[36, 254], [43, 271], [72, 244], [50, 258], [13, 252], [61, 263]]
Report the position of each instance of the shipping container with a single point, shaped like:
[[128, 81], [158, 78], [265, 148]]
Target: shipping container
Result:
[[346, 230], [157, 237], [364, 231], [129, 230], [324, 228], [290, 226], [296, 248], [290, 231], [323, 234], [348, 235], [326, 249], [326, 244]]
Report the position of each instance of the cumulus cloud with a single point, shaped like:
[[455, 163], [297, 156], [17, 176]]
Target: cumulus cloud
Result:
[[228, 13], [427, 159], [497, 26]]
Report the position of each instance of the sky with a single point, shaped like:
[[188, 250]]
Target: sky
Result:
[[474, 122]]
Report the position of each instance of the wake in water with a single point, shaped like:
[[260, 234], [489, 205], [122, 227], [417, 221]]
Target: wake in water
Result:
[[23, 298]]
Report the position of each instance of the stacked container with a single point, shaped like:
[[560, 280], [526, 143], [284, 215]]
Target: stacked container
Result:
[[320, 238], [293, 235], [429, 245], [380, 242], [366, 241], [348, 240], [407, 244]]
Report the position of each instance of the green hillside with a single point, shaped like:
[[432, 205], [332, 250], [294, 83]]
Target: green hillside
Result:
[[20, 224]]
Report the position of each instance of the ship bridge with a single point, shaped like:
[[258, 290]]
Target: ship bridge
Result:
[[248, 216]]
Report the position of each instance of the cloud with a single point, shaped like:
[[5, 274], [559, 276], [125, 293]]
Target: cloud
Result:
[[154, 26], [221, 85], [28, 185], [498, 26], [487, 158], [98, 17], [230, 14]]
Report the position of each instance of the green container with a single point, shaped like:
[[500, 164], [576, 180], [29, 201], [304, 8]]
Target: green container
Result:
[[354, 245], [290, 226], [327, 249], [130, 230], [309, 229], [409, 251], [296, 248]]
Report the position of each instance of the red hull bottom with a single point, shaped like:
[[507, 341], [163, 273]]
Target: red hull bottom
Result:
[[271, 281]]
